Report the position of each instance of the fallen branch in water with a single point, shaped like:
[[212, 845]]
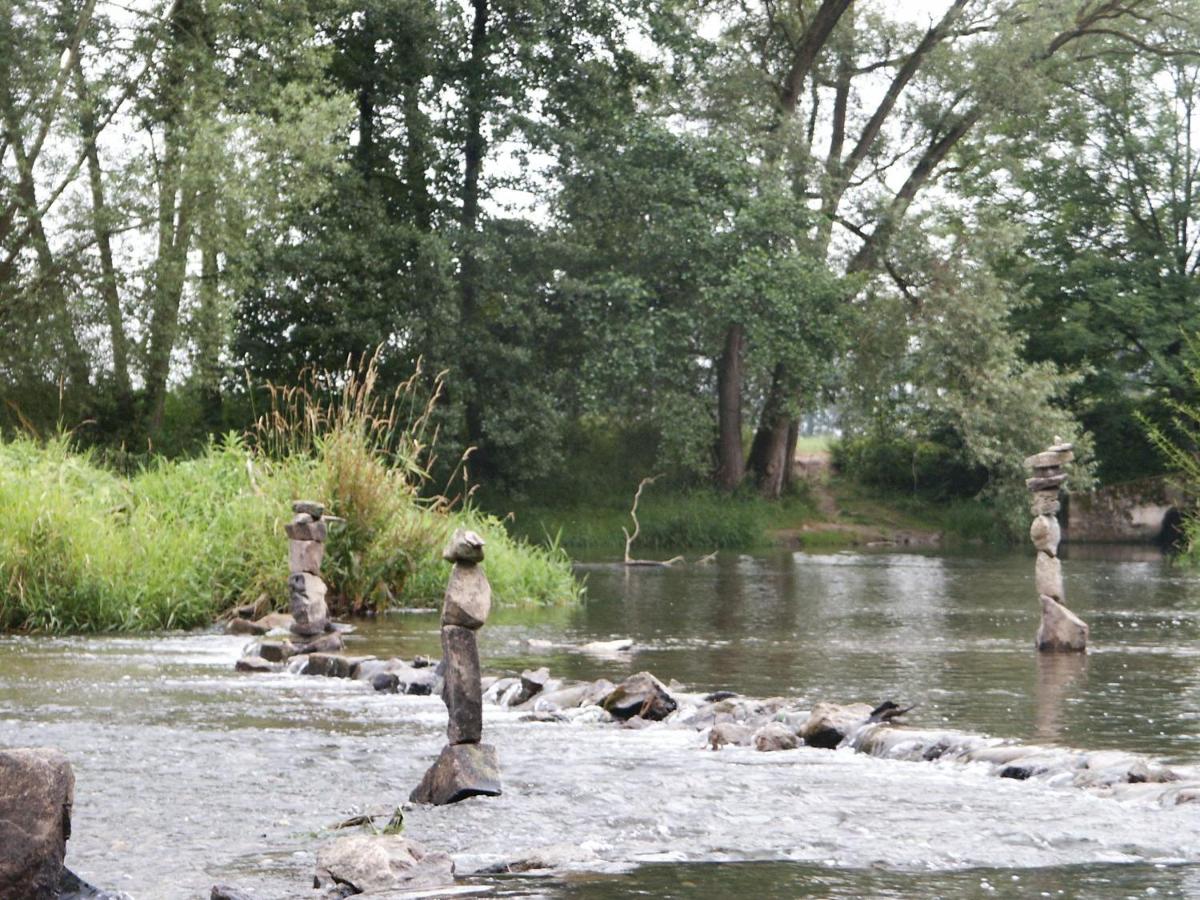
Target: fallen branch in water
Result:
[[629, 538]]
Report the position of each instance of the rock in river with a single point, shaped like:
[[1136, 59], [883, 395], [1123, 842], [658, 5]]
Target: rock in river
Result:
[[831, 723], [37, 789], [461, 771], [382, 862], [640, 695], [775, 736]]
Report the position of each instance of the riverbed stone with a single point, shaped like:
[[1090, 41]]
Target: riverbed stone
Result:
[[775, 736], [725, 733], [533, 682], [256, 664], [831, 723], [1061, 630], [1045, 534], [468, 597], [238, 625], [310, 508], [1045, 503], [305, 556], [464, 547], [330, 665], [640, 695], [461, 688], [1048, 575], [461, 771], [382, 862], [37, 791], [304, 528], [309, 613]]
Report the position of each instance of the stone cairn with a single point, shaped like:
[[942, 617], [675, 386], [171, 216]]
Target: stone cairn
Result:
[[466, 767], [1061, 630]]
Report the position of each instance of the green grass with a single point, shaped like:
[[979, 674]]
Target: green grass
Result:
[[177, 542]]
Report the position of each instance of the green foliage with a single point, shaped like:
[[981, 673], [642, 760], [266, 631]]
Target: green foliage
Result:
[[924, 468]]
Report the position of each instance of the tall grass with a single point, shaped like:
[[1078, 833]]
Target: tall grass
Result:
[[175, 543]]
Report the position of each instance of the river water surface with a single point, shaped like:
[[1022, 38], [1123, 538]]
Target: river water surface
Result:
[[190, 774]]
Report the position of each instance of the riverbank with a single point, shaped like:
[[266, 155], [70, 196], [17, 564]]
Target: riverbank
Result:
[[178, 542]]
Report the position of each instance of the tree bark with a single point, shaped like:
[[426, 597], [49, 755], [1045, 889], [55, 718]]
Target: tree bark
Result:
[[768, 454], [109, 290], [731, 466]]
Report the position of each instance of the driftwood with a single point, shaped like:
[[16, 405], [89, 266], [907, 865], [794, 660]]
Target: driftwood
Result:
[[629, 538]]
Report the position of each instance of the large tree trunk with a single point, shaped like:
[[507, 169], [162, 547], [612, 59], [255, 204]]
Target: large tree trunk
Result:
[[731, 465], [471, 329], [109, 290], [211, 326], [769, 460]]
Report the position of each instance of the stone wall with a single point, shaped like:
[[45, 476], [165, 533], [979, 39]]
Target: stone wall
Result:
[[1142, 512]]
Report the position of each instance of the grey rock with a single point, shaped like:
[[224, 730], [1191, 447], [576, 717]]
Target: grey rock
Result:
[[1061, 630], [640, 695], [461, 771], [724, 733], [331, 665], [382, 862], [461, 689], [386, 682], [304, 528], [1045, 503], [238, 625], [225, 892], [1045, 483], [1048, 459], [305, 556], [330, 642], [468, 597], [309, 612], [1048, 575], [310, 508], [464, 547], [533, 682], [256, 664], [831, 723], [274, 620], [775, 736], [1045, 534], [37, 791]]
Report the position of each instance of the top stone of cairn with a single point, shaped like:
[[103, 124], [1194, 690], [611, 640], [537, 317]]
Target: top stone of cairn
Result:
[[308, 507], [464, 547]]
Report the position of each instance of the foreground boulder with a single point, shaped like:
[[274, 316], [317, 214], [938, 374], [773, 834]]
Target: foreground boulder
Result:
[[640, 695], [37, 789], [382, 862], [461, 771]]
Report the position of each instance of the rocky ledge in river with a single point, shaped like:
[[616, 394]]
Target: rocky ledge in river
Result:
[[725, 719]]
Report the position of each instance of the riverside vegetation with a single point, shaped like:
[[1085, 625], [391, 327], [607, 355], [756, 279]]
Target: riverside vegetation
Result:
[[173, 544]]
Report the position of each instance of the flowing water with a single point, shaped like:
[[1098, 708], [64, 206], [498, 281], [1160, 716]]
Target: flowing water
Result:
[[190, 774]]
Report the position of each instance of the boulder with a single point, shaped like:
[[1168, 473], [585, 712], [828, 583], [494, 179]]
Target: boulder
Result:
[[831, 723], [1045, 503], [468, 597], [307, 604], [461, 771], [464, 547], [1045, 534], [304, 528], [1061, 630], [256, 664], [1048, 576], [586, 693], [310, 508], [238, 625], [331, 665], [322, 643], [461, 688], [533, 682], [385, 682], [305, 556], [382, 862], [640, 695], [37, 790], [775, 736], [729, 733]]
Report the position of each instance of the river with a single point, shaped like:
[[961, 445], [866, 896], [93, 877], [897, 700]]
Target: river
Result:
[[189, 774]]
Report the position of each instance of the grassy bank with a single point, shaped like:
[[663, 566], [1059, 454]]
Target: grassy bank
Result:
[[177, 542]]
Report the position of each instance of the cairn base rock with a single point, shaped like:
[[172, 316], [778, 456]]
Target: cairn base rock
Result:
[[461, 771], [1061, 630]]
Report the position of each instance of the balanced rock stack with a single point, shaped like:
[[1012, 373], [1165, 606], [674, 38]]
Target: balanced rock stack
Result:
[[306, 548], [1061, 629], [466, 767]]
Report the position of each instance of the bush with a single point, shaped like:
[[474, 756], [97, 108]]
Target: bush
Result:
[[930, 469], [175, 543]]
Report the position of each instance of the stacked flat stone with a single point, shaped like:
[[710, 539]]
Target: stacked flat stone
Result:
[[306, 548], [1061, 630], [466, 767]]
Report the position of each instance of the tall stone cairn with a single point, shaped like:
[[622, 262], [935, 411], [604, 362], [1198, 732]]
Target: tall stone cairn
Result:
[[306, 548], [466, 767], [1061, 630]]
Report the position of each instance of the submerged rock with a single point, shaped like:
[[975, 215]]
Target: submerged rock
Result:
[[382, 862], [37, 790], [775, 736], [640, 695], [461, 771], [831, 723]]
